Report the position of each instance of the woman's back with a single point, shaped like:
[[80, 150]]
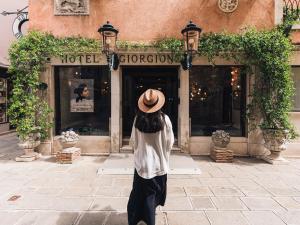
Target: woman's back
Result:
[[152, 150]]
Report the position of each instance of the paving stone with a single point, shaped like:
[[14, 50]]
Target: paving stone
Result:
[[215, 182], [198, 191], [8, 217], [204, 174], [175, 191], [49, 191], [226, 218], [78, 191], [103, 181], [219, 173], [254, 191], [108, 191], [123, 182], [110, 204], [226, 191], [184, 218], [183, 182], [29, 202], [72, 204], [261, 203], [202, 203], [177, 203], [48, 218], [297, 199], [160, 218], [246, 182], [228, 203], [93, 218], [125, 192], [262, 217], [79, 182], [284, 191], [290, 217], [116, 218], [267, 182], [288, 203]]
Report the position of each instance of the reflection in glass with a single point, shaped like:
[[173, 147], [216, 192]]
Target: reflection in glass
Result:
[[217, 100]]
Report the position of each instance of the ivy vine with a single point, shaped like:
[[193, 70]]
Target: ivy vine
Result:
[[267, 50], [28, 109]]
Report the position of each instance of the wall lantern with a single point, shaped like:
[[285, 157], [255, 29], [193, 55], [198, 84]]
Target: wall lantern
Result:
[[191, 35], [109, 44]]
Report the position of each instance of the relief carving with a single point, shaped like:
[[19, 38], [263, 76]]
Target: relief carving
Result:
[[228, 5], [71, 7]]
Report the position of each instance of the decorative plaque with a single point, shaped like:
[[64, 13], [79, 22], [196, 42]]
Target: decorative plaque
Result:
[[71, 7]]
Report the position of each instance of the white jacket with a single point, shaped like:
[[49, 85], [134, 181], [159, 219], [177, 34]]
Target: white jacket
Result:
[[152, 150]]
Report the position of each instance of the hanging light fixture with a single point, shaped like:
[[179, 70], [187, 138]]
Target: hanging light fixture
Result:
[[109, 44], [191, 35]]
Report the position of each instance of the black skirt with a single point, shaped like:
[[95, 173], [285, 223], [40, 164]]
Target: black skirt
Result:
[[145, 196]]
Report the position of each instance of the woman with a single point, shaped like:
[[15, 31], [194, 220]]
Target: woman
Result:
[[152, 139]]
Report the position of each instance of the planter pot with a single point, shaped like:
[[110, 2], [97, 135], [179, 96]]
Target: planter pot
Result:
[[45, 148], [275, 142], [28, 146]]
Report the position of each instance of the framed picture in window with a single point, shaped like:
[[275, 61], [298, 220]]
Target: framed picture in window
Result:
[[82, 95]]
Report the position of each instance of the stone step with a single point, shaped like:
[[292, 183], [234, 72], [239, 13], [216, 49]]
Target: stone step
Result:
[[126, 141], [128, 149]]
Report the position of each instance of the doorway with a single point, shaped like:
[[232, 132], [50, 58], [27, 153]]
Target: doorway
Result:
[[136, 80]]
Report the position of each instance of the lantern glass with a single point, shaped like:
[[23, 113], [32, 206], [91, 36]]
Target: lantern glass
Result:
[[191, 39], [109, 42]]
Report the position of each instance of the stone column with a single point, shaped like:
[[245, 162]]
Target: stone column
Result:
[[183, 113], [255, 138], [115, 120], [47, 76]]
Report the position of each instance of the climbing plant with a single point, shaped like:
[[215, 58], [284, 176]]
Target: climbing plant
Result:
[[28, 110], [268, 51]]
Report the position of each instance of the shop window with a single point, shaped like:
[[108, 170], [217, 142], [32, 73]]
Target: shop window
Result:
[[296, 97], [82, 99], [217, 100]]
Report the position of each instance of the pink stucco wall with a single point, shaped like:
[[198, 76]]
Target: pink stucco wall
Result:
[[151, 19]]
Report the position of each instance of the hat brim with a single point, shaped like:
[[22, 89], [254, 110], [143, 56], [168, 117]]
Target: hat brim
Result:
[[156, 107]]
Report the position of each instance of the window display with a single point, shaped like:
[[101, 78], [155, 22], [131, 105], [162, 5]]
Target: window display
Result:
[[217, 100], [82, 96], [3, 100]]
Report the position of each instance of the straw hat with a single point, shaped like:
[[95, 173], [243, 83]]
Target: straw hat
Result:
[[151, 101]]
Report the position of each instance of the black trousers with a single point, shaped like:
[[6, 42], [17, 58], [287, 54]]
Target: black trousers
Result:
[[145, 196]]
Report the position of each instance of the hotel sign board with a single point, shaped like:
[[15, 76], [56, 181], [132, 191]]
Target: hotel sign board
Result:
[[125, 59]]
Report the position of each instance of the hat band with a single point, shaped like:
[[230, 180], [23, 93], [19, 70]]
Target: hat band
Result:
[[153, 104]]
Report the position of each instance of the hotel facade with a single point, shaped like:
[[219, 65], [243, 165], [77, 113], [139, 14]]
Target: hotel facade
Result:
[[198, 101]]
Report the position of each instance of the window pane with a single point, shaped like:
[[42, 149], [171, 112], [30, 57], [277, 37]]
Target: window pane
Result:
[[82, 97], [217, 100], [296, 78]]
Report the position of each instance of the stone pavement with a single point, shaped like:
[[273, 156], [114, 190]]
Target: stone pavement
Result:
[[247, 191]]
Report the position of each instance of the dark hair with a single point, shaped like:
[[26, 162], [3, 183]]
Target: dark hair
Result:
[[79, 91], [149, 122]]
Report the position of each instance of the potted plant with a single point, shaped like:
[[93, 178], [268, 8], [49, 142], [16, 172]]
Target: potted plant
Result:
[[269, 110], [29, 142]]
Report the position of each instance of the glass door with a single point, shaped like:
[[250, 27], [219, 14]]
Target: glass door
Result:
[[139, 79]]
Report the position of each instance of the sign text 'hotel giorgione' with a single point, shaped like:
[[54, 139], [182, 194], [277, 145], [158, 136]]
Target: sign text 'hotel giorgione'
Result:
[[125, 59]]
